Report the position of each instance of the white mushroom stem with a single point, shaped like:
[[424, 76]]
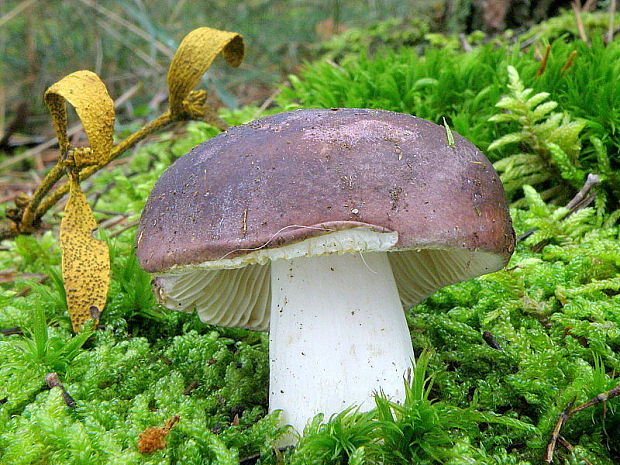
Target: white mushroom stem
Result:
[[338, 334]]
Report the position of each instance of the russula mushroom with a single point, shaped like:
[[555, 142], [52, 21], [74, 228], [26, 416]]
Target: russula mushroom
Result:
[[319, 225]]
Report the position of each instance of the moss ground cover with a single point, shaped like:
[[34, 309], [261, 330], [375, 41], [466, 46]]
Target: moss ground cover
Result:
[[500, 357]]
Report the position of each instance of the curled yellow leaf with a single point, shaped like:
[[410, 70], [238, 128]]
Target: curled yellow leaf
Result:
[[194, 56], [85, 260], [95, 108]]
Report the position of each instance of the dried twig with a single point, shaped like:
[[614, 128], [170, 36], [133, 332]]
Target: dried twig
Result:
[[11, 275], [465, 45], [109, 212], [253, 459], [113, 221], [612, 16], [569, 62], [543, 62], [118, 232], [53, 381], [27, 289], [571, 448], [250, 460], [17, 10], [167, 51], [11, 331], [490, 339], [526, 43], [266, 103], [598, 399], [564, 416], [589, 6], [38, 149], [581, 200], [578, 9], [188, 390], [569, 411], [18, 122], [150, 61]]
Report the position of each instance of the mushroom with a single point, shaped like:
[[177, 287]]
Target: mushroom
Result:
[[320, 225]]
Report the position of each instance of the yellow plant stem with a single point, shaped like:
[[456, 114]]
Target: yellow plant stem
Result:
[[31, 212], [159, 123]]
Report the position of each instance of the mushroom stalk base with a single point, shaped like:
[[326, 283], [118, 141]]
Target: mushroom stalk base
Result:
[[338, 334]]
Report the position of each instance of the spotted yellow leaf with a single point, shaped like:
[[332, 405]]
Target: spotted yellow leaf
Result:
[[85, 260], [194, 56], [95, 108]]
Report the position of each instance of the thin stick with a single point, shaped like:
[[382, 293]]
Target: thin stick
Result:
[[569, 411], [111, 222], [11, 331], [569, 62], [465, 43], [266, 103], [136, 51], [15, 11], [38, 149], [571, 448], [19, 120], [564, 416], [53, 381], [612, 17], [526, 43], [576, 4], [543, 63], [253, 459], [175, 12], [11, 275], [131, 27], [123, 229], [111, 213], [598, 399], [580, 200], [490, 339], [2, 112], [25, 291], [589, 6], [52, 178]]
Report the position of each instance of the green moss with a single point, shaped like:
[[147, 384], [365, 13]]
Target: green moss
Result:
[[564, 26], [392, 33]]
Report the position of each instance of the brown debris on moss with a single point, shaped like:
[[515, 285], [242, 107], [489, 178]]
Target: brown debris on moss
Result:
[[154, 438]]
